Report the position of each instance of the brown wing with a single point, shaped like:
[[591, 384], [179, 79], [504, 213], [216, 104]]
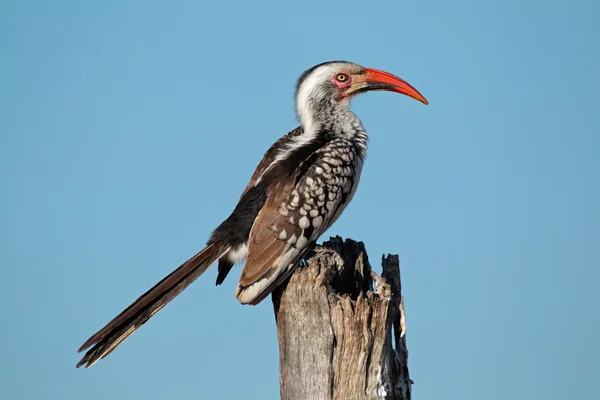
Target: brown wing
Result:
[[270, 155], [299, 209]]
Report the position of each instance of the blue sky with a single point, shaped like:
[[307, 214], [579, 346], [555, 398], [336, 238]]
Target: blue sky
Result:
[[128, 130]]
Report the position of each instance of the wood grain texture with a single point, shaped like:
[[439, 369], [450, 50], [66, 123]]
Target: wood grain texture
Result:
[[341, 328]]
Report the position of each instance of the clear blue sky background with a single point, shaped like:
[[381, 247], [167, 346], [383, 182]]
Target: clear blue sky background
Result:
[[129, 128]]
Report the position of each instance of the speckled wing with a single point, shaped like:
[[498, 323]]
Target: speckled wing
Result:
[[297, 212], [234, 229]]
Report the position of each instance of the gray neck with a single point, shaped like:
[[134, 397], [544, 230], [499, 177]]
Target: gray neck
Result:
[[334, 118]]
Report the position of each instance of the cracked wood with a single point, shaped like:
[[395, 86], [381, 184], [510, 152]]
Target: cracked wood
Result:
[[341, 328]]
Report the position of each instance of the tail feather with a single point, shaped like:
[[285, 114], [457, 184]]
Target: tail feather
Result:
[[123, 325]]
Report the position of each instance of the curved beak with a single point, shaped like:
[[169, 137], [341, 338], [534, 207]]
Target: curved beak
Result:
[[373, 79]]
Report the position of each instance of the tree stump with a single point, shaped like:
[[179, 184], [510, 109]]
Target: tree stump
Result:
[[341, 327]]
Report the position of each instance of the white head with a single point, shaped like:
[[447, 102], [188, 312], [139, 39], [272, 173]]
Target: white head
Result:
[[330, 85]]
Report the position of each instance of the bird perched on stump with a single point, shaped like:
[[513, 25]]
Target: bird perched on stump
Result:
[[299, 189]]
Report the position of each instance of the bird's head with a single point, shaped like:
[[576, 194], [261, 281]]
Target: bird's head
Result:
[[336, 82]]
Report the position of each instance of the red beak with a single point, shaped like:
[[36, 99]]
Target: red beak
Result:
[[381, 80]]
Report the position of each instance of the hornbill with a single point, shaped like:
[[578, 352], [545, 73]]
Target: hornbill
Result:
[[299, 189]]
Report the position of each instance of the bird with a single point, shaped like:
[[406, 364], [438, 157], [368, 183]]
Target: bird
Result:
[[303, 183]]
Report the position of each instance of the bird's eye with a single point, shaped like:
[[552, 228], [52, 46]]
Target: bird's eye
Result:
[[341, 77]]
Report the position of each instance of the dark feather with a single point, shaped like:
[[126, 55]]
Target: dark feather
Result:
[[141, 310], [224, 267]]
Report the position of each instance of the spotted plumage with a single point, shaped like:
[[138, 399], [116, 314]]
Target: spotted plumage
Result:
[[298, 190], [324, 185]]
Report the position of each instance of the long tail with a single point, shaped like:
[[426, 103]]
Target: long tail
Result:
[[148, 304]]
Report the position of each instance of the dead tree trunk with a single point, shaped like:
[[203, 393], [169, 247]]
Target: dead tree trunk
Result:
[[341, 328]]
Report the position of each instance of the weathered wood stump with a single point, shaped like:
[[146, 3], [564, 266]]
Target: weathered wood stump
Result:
[[341, 327]]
